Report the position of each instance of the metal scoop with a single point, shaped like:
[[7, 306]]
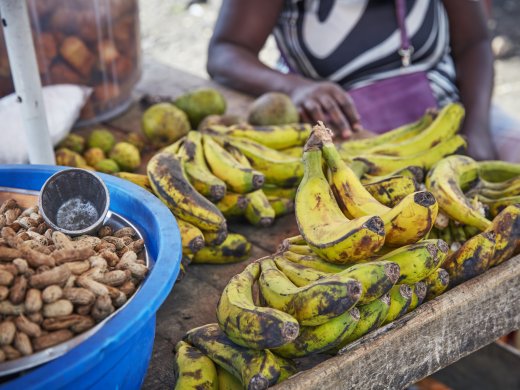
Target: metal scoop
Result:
[[74, 201]]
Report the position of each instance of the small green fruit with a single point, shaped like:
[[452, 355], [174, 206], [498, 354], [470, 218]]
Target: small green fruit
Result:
[[163, 124], [68, 158], [273, 108], [93, 156], [126, 156], [107, 166], [200, 103], [136, 139], [102, 139], [74, 142]]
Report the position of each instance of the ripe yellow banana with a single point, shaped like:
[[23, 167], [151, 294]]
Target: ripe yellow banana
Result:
[[371, 316], [349, 149], [471, 259], [436, 283], [238, 178], [256, 369], [419, 291], [193, 369], [299, 274], [506, 227], [392, 190], [413, 172], [247, 324], [170, 184], [233, 205], [498, 171], [313, 304], [258, 210], [322, 224], [313, 261], [316, 339], [234, 248], [380, 165], [274, 137], [191, 236], [281, 206], [409, 221], [197, 170], [278, 168], [445, 126], [226, 380], [400, 299], [136, 178], [417, 261], [272, 190], [446, 180]]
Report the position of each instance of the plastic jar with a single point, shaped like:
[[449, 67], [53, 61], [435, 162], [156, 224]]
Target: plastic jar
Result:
[[95, 43]]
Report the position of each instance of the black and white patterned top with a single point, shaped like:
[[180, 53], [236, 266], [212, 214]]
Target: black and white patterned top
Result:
[[353, 42]]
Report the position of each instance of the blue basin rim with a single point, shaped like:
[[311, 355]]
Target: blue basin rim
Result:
[[163, 243]]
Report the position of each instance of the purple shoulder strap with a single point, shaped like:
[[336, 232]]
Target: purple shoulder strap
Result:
[[406, 49]]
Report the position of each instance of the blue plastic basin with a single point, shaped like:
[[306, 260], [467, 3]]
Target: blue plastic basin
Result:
[[117, 356]]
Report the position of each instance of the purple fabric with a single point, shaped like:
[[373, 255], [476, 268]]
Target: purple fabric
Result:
[[393, 102]]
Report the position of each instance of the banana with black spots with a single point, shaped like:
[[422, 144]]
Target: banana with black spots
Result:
[[193, 369], [191, 237], [281, 206], [400, 299], [506, 227], [392, 190], [233, 205], [259, 211], [437, 283], [235, 248], [313, 261], [419, 291]]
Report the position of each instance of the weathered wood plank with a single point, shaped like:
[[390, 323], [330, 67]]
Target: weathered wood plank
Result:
[[496, 366], [435, 335]]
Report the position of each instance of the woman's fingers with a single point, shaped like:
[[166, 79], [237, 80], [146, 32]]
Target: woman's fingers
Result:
[[348, 108], [336, 116]]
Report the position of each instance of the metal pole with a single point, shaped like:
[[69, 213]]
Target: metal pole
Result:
[[27, 83]]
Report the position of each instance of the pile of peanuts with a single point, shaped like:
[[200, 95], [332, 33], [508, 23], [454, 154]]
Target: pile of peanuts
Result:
[[52, 286]]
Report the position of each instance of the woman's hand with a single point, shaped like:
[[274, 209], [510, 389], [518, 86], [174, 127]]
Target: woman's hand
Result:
[[327, 102]]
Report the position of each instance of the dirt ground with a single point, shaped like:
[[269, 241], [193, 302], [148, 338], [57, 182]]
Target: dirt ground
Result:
[[177, 34]]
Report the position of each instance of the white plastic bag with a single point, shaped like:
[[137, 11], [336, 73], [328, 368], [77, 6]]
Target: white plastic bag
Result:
[[63, 104]]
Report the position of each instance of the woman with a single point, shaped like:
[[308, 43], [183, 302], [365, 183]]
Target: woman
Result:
[[330, 46]]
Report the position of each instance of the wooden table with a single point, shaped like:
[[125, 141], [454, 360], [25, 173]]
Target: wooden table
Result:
[[434, 336]]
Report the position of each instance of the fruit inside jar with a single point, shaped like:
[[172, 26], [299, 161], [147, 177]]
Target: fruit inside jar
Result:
[[85, 42]]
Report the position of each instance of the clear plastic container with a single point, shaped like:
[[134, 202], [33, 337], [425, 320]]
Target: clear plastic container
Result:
[[86, 42]]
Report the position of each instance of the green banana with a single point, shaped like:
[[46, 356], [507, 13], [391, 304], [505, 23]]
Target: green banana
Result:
[[170, 184], [304, 250], [197, 170], [238, 178], [447, 181], [417, 261], [316, 339], [312, 304], [259, 211], [272, 190], [419, 291], [235, 248], [247, 324], [257, 370], [506, 227], [436, 283], [321, 222], [295, 151], [400, 299], [193, 369], [498, 171], [226, 380], [281, 206]]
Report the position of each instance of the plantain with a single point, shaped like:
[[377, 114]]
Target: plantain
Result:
[[235, 248], [447, 180], [436, 283], [417, 261], [191, 237], [170, 184], [249, 325], [419, 291], [257, 370], [400, 299], [214, 238], [498, 171], [233, 205], [295, 151], [238, 178], [497, 205], [381, 165], [278, 168], [258, 210], [193, 369], [302, 249], [136, 178], [353, 148], [287, 367], [445, 126], [506, 227], [313, 261], [312, 304], [297, 240], [316, 339], [392, 190], [281, 206], [413, 172], [371, 316], [272, 190], [409, 221], [227, 381], [274, 137], [299, 274], [321, 222]]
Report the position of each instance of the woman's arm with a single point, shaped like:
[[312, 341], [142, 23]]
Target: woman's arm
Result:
[[471, 50], [240, 33]]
